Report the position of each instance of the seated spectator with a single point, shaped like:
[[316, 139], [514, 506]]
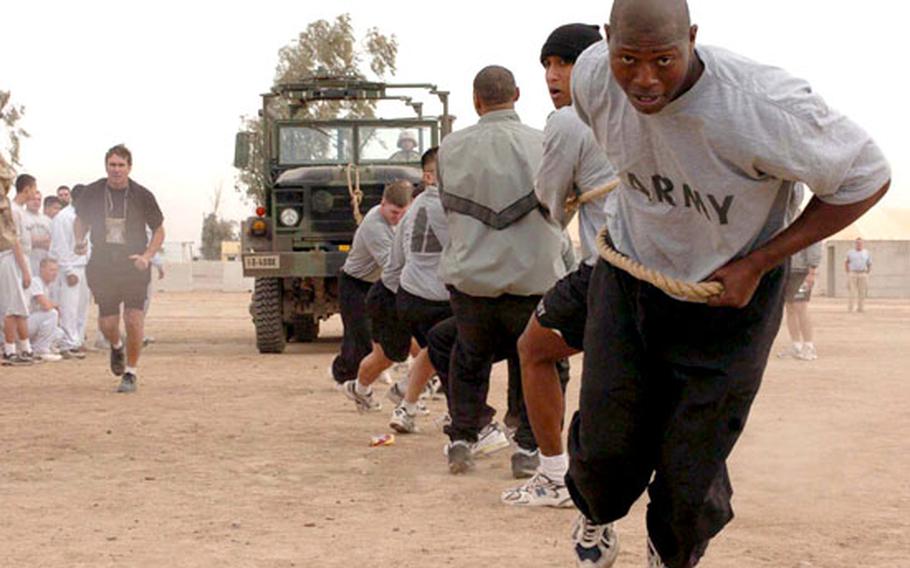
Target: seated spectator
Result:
[[43, 329]]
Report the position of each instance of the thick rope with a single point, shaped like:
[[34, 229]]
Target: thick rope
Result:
[[576, 201], [354, 192], [691, 292]]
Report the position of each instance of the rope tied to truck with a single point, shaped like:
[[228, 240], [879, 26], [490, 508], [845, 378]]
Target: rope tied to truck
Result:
[[354, 191]]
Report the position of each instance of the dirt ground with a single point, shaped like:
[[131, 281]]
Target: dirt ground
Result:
[[229, 458]]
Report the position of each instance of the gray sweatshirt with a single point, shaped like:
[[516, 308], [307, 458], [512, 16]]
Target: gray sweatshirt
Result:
[[370, 249], [417, 249], [500, 242]]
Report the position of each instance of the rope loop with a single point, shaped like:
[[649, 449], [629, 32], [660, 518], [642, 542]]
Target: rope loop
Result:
[[691, 292], [355, 192]]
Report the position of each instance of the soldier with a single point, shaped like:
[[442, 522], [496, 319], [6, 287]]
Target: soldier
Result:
[[52, 206], [38, 226], [407, 144], [362, 268], [573, 164], [708, 145], [117, 211], [43, 331], [73, 288], [15, 277], [502, 255], [391, 340]]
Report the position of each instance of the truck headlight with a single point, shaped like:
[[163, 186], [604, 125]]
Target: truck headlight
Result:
[[289, 217]]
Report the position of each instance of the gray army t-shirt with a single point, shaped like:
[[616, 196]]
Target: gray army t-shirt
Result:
[[417, 249], [573, 163], [370, 249], [708, 178]]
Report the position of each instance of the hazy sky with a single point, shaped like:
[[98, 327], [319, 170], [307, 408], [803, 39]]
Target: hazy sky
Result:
[[170, 79]]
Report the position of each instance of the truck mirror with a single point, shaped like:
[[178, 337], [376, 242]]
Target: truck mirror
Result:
[[242, 145]]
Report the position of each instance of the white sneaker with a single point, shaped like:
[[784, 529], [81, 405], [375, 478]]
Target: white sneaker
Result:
[[386, 377], [789, 352], [596, 546], [400, 371], [654, 560], [807, 353], [539, 491], [49, 357], [402, 422], [395, 394], [490, 440], [435, 388], [364, 402]]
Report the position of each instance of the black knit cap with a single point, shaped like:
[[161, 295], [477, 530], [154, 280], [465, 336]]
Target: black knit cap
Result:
[[569, 41]]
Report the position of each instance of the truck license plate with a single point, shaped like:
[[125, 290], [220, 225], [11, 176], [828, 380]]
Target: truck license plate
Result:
[[271, 261]]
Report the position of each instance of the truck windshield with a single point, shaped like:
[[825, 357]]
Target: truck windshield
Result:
[[394, 143], [315, 144]]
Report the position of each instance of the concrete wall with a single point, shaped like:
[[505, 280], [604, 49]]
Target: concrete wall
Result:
[[203, 275], [889, 278]]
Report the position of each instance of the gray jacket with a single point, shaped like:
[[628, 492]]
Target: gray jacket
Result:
[[500, 242]]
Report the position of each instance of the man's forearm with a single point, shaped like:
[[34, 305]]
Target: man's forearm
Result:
[[818, 221], [155, 243], [79, 230]]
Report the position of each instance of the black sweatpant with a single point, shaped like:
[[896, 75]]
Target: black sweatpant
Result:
[[485, 326], [355, 343], [666, 390]]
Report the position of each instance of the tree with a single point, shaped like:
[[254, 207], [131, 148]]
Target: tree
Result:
[[325, 48], [215, 230], [10, 114]]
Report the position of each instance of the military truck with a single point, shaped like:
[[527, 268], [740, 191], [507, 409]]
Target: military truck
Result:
[[321, 177]]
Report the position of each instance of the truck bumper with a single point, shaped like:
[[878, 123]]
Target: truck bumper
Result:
[[292, 264]]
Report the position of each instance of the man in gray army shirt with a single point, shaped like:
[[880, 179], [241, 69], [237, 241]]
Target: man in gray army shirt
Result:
[[708, 146], [502, 254], [369, 253]]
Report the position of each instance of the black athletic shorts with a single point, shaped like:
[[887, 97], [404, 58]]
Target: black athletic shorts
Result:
[[117, 283], [564, 308], [420, 315], [386, 328], [793, 291]]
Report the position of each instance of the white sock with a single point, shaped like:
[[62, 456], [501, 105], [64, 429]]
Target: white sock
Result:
[[119, 344], [554, 467], [132, 370], [9, 348], [798, 345], [361, 389], [409, 407], [25, 346]]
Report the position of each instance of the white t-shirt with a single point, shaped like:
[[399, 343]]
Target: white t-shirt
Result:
[[858, 260], [38, 288], [707, 179], [25, 236]]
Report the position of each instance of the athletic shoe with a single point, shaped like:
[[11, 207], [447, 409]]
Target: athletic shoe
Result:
[[654, 560], [118, 361], [460, 457], [75, 353], [596, 546], [403, 422], [17, 360], [442, 422], [395, 394], [67, 354], [49, 357], [364, 402], [539, 491], [435, 388], [525, 463], [789, 353], [146, 341], [490, 440], [401, 371], [101, 343], [127, 383], [386, 377], [807, 353]]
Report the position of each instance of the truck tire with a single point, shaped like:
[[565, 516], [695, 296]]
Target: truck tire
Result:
[[267, 315], [306, 329]]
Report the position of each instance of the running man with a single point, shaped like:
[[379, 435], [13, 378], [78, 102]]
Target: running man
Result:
[[573, 164], [708, 145]]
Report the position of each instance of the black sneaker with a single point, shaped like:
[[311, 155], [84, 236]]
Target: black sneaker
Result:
[[118, 361], [17, 360], [127, 383]]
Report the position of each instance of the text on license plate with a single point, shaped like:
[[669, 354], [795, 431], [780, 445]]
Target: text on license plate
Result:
[[263, 261]]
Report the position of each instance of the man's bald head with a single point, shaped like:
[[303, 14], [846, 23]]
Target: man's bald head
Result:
[[494, 86], [666, 20]]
